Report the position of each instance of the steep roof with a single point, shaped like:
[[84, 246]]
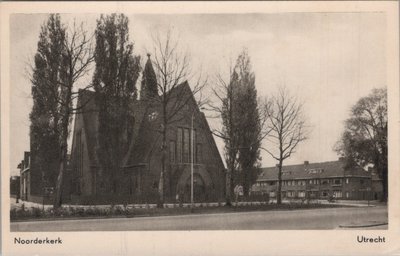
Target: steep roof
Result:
[[146, 134], [150, 129], [311, 171]]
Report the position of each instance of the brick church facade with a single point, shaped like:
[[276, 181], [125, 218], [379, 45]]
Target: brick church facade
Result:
[[139, 174]]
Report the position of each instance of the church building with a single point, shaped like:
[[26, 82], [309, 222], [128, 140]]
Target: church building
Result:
[[138, 177]]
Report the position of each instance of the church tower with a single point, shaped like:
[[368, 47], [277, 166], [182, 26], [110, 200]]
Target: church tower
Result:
[[148, 89]]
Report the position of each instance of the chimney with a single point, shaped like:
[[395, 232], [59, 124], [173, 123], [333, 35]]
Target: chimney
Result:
[[306, 162], [27, 159]]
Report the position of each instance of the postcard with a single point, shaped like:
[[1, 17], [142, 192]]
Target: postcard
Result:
[[200, 128]]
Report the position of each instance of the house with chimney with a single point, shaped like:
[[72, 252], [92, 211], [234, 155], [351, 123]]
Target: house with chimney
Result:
[[137, 179], [322, 180]]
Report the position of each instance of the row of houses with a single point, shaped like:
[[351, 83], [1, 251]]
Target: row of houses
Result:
[[320, 181]]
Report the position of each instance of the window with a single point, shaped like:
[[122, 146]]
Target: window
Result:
[[131, 190], [337, 193], [183, 147], [302, 194], [337, 181], [186, 146], [199, 153], [272, 194], [347, 180], [324, 182], [179, 144], [271, 183], [155, 184], [114, 187], [310, 182], [347, 194], [324, 193], [172, 152], [291, 194]]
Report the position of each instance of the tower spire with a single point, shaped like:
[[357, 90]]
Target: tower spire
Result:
[[148, 87]]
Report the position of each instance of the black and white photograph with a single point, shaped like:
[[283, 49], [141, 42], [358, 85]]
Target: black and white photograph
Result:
[[130, 121]]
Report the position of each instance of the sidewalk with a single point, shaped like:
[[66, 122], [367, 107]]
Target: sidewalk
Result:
[[187, 205], [365, 225], [355, 203]]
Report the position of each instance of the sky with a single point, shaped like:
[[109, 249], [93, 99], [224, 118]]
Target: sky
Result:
[[328, 60]]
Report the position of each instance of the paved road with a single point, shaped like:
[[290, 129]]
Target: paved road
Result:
[[328, 218]]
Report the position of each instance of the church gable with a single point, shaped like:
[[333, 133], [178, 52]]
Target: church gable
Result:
[[142, 163]]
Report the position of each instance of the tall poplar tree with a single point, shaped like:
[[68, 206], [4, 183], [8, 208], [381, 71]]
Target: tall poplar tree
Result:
[[249, 125], [61, 61], [116, 73], [243, 125], [45, 116]]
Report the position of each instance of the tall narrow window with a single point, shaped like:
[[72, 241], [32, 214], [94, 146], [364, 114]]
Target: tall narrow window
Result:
[[172, 151], [194, 147], [131, 185], [199, 156], [81, 157], [186, 146], [179, 145]]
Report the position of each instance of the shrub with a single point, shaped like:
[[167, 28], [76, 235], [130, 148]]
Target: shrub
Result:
[[118, 210], [37, 212], [13, 213]]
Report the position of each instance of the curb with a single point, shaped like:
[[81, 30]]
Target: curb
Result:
[[364, 226]]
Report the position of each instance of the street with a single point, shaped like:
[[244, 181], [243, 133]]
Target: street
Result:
[[327, 218]]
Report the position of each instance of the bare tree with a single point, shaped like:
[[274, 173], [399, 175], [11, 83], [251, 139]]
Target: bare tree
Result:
[[77, 59], [172, 68], [287, 128]]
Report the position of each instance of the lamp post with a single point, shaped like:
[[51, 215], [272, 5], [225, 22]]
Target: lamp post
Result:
[[191, 163], [192, 159]]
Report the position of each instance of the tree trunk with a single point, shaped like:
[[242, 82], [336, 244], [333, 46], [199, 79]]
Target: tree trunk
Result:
[[64, 138], [57, 200], [163, 162], [384, 186], [228, 196], [279, 192]]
